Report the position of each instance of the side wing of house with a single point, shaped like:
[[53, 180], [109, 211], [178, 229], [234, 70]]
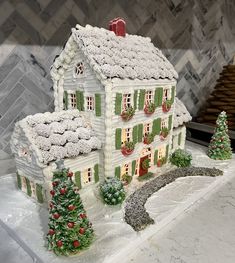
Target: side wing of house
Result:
[[29, 175], [178, 138]]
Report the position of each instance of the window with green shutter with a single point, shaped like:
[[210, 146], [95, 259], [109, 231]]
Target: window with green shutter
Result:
[[179, 138], [39, 193], [156, 126], [135, 99], [140, 132], [28, 186], [135, 134], [155, 157], [133, 167], [118, 104], [158, 96], [97, 105], [78, 181], [170, 122], [172, 94], [96, 171], [65, 100], [80, 100], [141, 99], [118, 138], [118, 172], [19, 183]]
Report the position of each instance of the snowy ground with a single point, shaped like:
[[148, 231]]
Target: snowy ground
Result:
[[189, 216]]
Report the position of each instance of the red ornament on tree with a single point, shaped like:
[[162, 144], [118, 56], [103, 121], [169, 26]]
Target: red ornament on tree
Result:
[[59, 243], [56, 215], [52, 192], [70, 174], [76, 243], [62, 191], [54, 183], [71, 207], [51, 232], [70, 224], [82, 230], [83, 215]]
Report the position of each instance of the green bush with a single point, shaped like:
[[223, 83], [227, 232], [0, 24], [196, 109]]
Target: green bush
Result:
[[181, 158], [112, 191]]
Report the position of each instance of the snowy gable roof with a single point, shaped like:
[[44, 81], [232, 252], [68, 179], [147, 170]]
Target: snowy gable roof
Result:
[[181, 114], [59, 135], [111, 56]]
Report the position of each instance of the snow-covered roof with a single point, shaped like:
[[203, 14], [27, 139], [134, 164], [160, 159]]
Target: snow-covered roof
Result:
[[59, 135], [181, 114], [111, 56]]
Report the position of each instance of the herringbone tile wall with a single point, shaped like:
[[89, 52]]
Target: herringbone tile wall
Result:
[[197, 36]]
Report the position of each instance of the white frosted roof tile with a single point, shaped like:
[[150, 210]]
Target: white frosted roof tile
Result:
[[181, 114]]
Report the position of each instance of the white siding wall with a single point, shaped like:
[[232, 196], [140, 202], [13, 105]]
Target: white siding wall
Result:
[[175, 138]]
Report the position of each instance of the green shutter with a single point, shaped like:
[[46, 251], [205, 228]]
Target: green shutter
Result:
[[39, 193], [96, 175], [28, 186], [97, 105], [118, 104], [170, 122], [80, 100], [118, 138], [160, 96], [179, 138], [156, 126], [133, 167], [167, 152], [135, 134], [65, 100], [157, 96], [117, 172], [19, 183], [135, 99], [140, 132], [141, 99], [78, 179], [172, 94], [155, 157]]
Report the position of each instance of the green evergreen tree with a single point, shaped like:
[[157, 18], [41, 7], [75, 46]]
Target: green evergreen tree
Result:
[[220, 145], [69, 228]]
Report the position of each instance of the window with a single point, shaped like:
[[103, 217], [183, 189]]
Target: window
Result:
[[164, 123], [90, 103], [147, 128], [79, 69], [166, 93], [126, 102], [126, 135], [148, 97], [73, 100], [126, 168], [87, 176], [161, 152]]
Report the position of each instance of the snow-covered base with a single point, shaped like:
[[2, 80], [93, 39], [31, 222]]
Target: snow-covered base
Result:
[[114, 237]]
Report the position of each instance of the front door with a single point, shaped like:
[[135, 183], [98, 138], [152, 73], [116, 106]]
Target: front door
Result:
[[142, 171]]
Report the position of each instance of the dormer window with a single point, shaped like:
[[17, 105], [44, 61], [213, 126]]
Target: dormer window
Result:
[[126, 102], [79, 69], [148, 97]]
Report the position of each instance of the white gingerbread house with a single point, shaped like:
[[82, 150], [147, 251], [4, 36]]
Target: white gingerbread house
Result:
[[39, 140], [126, 87]]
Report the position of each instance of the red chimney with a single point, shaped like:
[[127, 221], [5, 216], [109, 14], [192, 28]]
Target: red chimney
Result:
[[118, 26]]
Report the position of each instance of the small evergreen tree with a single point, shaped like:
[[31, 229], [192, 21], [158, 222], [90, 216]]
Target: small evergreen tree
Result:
[[220, 145], [69, 228]]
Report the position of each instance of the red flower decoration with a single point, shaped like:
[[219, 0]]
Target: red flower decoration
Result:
[[51, 232], [54, 183], [70, 224], [52, 192], [56, 215], [82, 230], [70, 174], [63, 191], [59, 243], [71, 207], [83, 215], [76, 243]]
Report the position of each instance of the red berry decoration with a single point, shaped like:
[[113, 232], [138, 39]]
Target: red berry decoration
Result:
[[51, 232], [82, 230], [52, 192], [56, 215], [62, 191], [83, 215], [76, 243], [55, 183], [71, 207], [59, 243], [70, 174], [70, 224]]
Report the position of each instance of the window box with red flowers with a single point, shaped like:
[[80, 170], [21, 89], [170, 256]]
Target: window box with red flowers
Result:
[[148, 138], [164, 133], [149, 108], [127, 148], [128, 113], [161, 161], [166, 106]]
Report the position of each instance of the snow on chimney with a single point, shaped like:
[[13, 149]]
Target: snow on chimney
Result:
[[118, 26]]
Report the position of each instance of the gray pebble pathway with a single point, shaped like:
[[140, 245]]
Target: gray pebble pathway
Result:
[[135, 213]]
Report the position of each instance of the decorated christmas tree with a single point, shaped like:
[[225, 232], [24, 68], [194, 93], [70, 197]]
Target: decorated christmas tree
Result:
[[220, 146], [69, 228]]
